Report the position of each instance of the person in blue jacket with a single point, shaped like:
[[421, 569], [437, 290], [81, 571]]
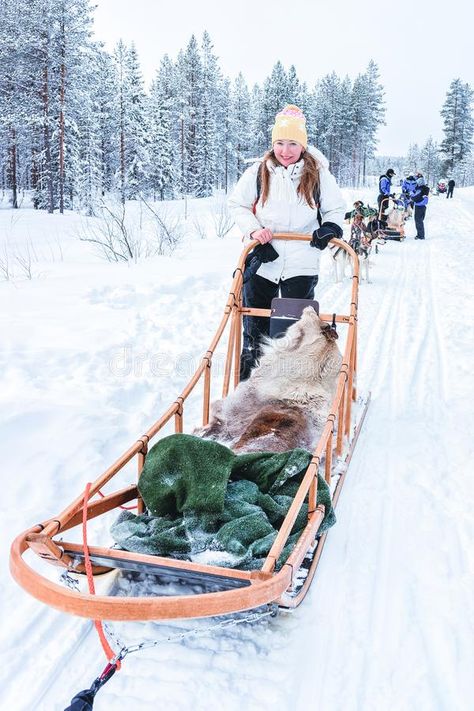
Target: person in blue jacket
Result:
[[420, 200], [408, 188], [385, 190]]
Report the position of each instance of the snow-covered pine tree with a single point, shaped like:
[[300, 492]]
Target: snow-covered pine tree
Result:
[[304, 102], [44, 66], [413, 158], [376, 114], [55, 63], [22, 82], [344, 126], [105, 107], [274, 99], [12, 94], [71, 21], [241, 120], [137, 149], [163, 115], [208, 128], [92, 163], [458, 125], [293, 88], [120, 57], [307, 104], [368, 113], [430, 162], [359, 121], [133, 149], [189, 77], [51, 41], [258, 126], [465, 172], [324, 115], [224, 140], [299, 95]]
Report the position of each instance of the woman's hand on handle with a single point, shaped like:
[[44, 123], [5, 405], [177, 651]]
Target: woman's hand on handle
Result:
[[263, 236]]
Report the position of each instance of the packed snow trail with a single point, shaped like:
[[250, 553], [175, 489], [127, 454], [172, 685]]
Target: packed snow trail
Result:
[[389, 621], [399, 577]]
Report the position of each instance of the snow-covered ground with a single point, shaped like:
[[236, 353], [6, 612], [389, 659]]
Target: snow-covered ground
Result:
[[93, 352]]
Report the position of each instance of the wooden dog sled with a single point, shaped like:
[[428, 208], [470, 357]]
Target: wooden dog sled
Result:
[[390, 231], [224, 590]]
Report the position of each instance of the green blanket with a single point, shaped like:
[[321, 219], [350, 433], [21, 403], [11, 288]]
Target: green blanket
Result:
[[207, 504]]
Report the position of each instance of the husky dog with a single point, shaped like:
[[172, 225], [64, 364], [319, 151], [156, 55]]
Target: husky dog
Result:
[[340, 261], [361, 242], [285, 402]]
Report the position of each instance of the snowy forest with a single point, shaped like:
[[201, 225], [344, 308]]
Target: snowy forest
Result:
[[77, 122]]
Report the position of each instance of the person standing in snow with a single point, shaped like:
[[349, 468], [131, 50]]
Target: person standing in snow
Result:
[[451, 184], [420, 200], [385, 190], [408, 188], [284, 192]]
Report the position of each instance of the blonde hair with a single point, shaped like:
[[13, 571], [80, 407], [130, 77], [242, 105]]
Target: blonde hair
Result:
[[309, 182]]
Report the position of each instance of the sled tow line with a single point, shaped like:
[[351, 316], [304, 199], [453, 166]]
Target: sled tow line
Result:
[[84, 700]]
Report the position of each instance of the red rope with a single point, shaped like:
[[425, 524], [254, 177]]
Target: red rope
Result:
[[109, 652]]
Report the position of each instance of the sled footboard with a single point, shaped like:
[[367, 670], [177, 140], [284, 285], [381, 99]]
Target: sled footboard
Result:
[[246, 590]]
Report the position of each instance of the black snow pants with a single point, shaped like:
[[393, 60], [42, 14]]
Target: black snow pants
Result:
[[258, 294], [420, 212]]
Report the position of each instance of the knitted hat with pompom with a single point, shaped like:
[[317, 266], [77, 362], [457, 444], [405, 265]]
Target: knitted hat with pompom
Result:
[[290, 125]]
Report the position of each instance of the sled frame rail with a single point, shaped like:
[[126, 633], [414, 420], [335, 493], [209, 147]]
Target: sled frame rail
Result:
[[244, 589]]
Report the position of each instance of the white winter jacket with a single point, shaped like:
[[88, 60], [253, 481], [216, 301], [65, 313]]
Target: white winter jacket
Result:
[[286, 211]]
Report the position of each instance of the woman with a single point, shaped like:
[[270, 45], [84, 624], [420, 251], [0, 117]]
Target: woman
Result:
[[282, 193]]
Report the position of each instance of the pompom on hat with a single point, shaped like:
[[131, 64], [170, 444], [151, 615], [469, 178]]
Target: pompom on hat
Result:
[[290, 125]]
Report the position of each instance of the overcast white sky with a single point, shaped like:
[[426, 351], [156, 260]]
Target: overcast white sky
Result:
[[419, 46]]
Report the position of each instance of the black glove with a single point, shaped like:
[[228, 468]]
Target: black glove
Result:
[[323, 234], [265, 252], [262, 253]]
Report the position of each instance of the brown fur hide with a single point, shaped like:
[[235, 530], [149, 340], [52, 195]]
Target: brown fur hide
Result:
[[285, 402], [395, 219]]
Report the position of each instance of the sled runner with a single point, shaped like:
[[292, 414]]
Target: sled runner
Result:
[[182, 588]]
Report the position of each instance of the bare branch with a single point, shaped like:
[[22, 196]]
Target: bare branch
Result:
[[223, 222]]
